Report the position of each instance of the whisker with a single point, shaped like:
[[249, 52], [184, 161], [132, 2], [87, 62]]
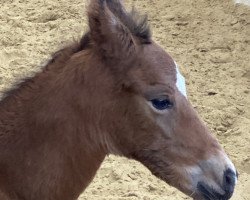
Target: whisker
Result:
[[191, 195]]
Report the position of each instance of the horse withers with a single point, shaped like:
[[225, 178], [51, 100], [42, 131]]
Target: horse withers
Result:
[[113, 92]]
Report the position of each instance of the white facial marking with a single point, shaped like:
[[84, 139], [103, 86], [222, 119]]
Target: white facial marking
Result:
[[180, 83]]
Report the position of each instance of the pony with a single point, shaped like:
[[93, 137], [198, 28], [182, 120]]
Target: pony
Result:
[[113, 92]]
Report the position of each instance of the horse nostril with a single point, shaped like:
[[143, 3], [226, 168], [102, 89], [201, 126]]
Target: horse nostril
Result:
[[229, 182], [230, 177]]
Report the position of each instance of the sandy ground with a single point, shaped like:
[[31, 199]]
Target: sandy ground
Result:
[[209, 40]]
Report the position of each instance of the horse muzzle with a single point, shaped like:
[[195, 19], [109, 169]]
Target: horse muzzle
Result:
[[213, 179], [229, 182]]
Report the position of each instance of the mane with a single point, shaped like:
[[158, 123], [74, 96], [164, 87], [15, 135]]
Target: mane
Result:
[[136, 23], [133, 20], [59, 58]]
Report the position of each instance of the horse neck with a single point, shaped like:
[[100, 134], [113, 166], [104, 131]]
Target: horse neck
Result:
[[45, 115]]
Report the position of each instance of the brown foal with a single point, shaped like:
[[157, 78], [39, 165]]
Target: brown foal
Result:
[[114, 92]]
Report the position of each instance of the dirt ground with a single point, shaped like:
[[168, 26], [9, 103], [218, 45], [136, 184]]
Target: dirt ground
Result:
[[210, 40]]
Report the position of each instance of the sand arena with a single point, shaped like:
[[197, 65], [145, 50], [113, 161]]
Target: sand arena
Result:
[[209, 40]]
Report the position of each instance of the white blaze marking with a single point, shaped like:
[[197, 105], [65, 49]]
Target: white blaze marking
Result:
[[180, 83]]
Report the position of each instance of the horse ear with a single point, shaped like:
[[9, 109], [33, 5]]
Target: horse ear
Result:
[[108, 34]]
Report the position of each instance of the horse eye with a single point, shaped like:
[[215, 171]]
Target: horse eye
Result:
[[161, 104]]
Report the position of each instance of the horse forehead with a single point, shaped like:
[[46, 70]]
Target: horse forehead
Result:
[[160, 65], [159, 58]]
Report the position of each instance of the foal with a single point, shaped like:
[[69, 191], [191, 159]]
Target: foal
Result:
[[114, 92]]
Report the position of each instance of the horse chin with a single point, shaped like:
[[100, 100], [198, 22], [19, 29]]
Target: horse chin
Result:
[[196, 195], [199, 197]]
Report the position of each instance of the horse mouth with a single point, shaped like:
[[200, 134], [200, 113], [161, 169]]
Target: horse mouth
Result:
[[209, 193]]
